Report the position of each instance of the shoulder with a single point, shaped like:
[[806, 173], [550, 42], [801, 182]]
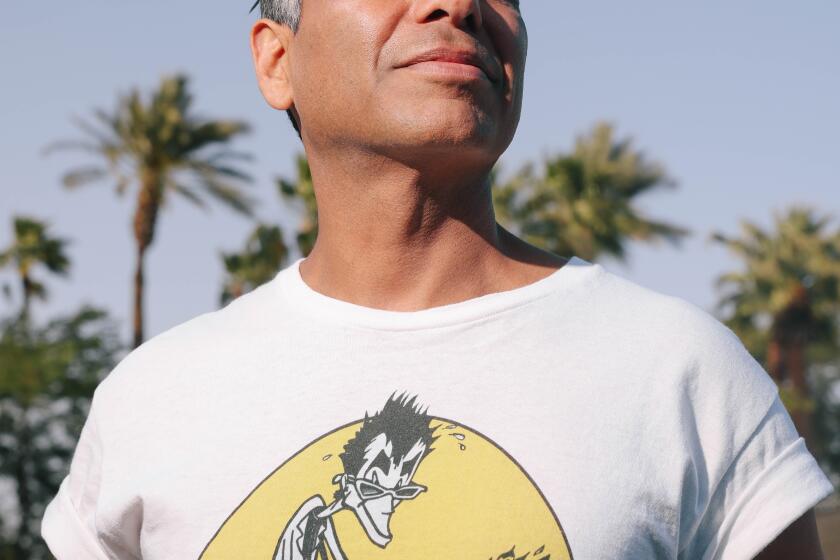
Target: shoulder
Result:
[[654, 309], [697, 358], [180, 358], [661, 317]]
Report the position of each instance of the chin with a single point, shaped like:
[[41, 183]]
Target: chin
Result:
[[440, 139], [442, 122]]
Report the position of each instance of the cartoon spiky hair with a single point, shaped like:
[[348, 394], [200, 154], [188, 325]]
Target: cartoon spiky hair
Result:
[[403, 422]]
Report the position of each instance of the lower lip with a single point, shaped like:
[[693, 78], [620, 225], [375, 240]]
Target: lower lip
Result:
[[449, 70]]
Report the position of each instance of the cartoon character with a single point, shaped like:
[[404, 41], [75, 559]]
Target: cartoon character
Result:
[[379, 466]]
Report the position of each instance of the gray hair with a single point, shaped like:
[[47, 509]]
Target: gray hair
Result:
[[286, 12]]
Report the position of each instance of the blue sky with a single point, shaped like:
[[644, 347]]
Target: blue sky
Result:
[[740, 102]]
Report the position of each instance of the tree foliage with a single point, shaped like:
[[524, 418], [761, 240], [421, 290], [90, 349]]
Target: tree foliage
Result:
[[34, 246], [797, 253], [264, 255], [584, 203], [301, 190], [47, 377], [784, 304], [166, 150]]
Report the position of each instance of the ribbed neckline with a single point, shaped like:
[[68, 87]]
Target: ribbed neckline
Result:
[[297, 293]]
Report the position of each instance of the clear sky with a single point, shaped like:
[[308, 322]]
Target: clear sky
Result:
[[739, 100]]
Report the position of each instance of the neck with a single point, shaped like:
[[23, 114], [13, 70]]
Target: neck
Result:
[[393, 236]]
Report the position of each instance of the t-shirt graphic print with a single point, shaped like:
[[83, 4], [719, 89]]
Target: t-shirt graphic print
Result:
[[400, 483]]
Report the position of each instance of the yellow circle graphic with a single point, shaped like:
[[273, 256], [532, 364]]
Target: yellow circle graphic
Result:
[[478, 504]]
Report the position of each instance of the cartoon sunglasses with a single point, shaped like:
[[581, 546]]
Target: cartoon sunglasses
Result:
[[370, 490]]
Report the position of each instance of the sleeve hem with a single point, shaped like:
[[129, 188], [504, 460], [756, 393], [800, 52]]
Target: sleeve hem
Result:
[[790, 485], [65, 534]]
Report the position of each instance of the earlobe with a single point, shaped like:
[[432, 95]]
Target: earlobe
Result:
[[269, 49]]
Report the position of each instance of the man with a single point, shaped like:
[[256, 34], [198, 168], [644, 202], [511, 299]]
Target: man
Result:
[[575, 414]]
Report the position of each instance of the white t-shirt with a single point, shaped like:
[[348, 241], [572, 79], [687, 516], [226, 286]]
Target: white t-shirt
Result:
[[581, 416]]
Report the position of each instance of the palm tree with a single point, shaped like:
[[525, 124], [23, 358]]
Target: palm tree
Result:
[[166, 150], [264, 254], [785, 302], [34, 246], [303, 190], [582, 203], [265, 250]]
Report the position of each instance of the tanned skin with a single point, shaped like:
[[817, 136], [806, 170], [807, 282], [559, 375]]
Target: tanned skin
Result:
[[799, 540], [400, 157], [401, 154]]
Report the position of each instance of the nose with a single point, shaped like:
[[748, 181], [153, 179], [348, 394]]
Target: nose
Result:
[[461, 13]]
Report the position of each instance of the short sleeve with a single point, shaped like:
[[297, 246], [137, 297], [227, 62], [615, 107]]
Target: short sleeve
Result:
[[771, 482], [68, 525]]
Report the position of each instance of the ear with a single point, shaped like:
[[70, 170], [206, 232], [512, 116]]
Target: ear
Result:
[[270, 42]]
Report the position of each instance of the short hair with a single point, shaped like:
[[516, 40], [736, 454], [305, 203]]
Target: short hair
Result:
[[286, 12]]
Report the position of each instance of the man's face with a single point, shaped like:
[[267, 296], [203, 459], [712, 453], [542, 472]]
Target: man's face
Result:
[[354, 82], [381, 484]]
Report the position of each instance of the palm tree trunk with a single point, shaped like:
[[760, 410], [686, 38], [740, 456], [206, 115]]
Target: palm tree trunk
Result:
[[22, 476], [27, 295], [138, 298], [145, 218], [774, 360], [796, 367], [790, 337]]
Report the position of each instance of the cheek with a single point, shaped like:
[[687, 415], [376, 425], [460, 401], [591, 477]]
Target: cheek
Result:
[[336, 60], [515, 71], [348, 37]]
